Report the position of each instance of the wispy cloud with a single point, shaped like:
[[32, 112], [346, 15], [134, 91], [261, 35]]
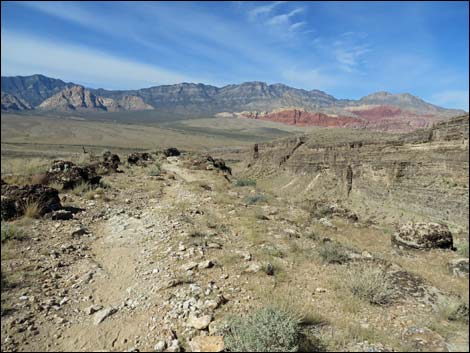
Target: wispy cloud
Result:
[[452, 99], [349, 56], [263, 10], [283, 18], [297, 25], [69, 62]]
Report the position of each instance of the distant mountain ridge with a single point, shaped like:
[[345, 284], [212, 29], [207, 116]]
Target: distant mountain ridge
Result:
[[191, 99]]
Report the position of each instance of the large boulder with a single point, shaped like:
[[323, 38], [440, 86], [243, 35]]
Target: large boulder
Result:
[[16, 198], [68, 175], [110, 161], [171, 152], [140, 158], [423, 236]]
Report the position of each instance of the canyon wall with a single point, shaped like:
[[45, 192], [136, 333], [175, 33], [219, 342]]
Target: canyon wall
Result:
[[417, 176]]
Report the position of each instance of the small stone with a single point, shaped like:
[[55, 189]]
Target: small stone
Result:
[[174, 346], [269, 269], [189, 266], [199, 323], [93, 309], [160, 346], [205, 264], [253, 268], [79, 231], [103, 314]]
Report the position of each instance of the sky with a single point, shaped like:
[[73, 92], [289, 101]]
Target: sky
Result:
[[347, 49]]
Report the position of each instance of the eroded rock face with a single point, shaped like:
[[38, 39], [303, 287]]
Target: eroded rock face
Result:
[[16, 198], [68, 175], [423, 236], [139, 158]]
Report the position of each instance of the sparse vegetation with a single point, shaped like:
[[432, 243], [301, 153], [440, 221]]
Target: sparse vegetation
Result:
[[81, 188], [371, 284], [32, 209], [270, 329], [333, 253], [155, 171], [452, 309], [11, 232], [251, 200], [245, 182], [463, 249]]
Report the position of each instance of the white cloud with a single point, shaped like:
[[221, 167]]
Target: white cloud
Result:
[[263, 10], [24, 55], [452, 99], [284, 18], [297, 25]]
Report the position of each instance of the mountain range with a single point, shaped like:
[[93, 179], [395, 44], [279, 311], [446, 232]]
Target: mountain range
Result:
[[255, 100]]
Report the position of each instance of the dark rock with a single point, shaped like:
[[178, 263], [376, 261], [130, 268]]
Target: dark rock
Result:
[[423, 236], [110, 162], [140, 158], [16, 198], [61, 215], [171, 152], [68, 175], [219, 164], [269, 269]]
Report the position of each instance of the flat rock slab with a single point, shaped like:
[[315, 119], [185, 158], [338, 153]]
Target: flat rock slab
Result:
[[103, 314], [207, 344]]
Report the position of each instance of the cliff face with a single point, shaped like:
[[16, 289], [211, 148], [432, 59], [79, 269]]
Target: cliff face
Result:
[[419, 176], [13, 103], [77, 98]]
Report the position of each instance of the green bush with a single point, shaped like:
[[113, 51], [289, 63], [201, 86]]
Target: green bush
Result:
[[333, 253], [371, 284], [10, 232], [452, 309], [250, 200], [245, 182], [155, 171], [463, 249], [268, 330]]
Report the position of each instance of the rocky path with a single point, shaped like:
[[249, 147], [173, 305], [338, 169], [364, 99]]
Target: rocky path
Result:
[[167, 259]]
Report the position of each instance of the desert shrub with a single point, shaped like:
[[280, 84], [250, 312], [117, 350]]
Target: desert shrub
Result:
[[250, 200], [245, 182], [270, 329], [333, 253], [452, 309], [371, 284], [32, 209], [463, 249], [155, 171], [81, 188], [104, 185], [10, 232]]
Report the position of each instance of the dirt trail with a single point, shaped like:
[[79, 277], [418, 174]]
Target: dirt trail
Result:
[[124, 252]]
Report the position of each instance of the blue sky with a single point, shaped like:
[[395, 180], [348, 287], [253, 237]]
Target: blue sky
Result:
[[348, 49]]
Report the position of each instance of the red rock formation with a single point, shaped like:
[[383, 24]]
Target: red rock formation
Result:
[[378, 118], [303, 118]]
